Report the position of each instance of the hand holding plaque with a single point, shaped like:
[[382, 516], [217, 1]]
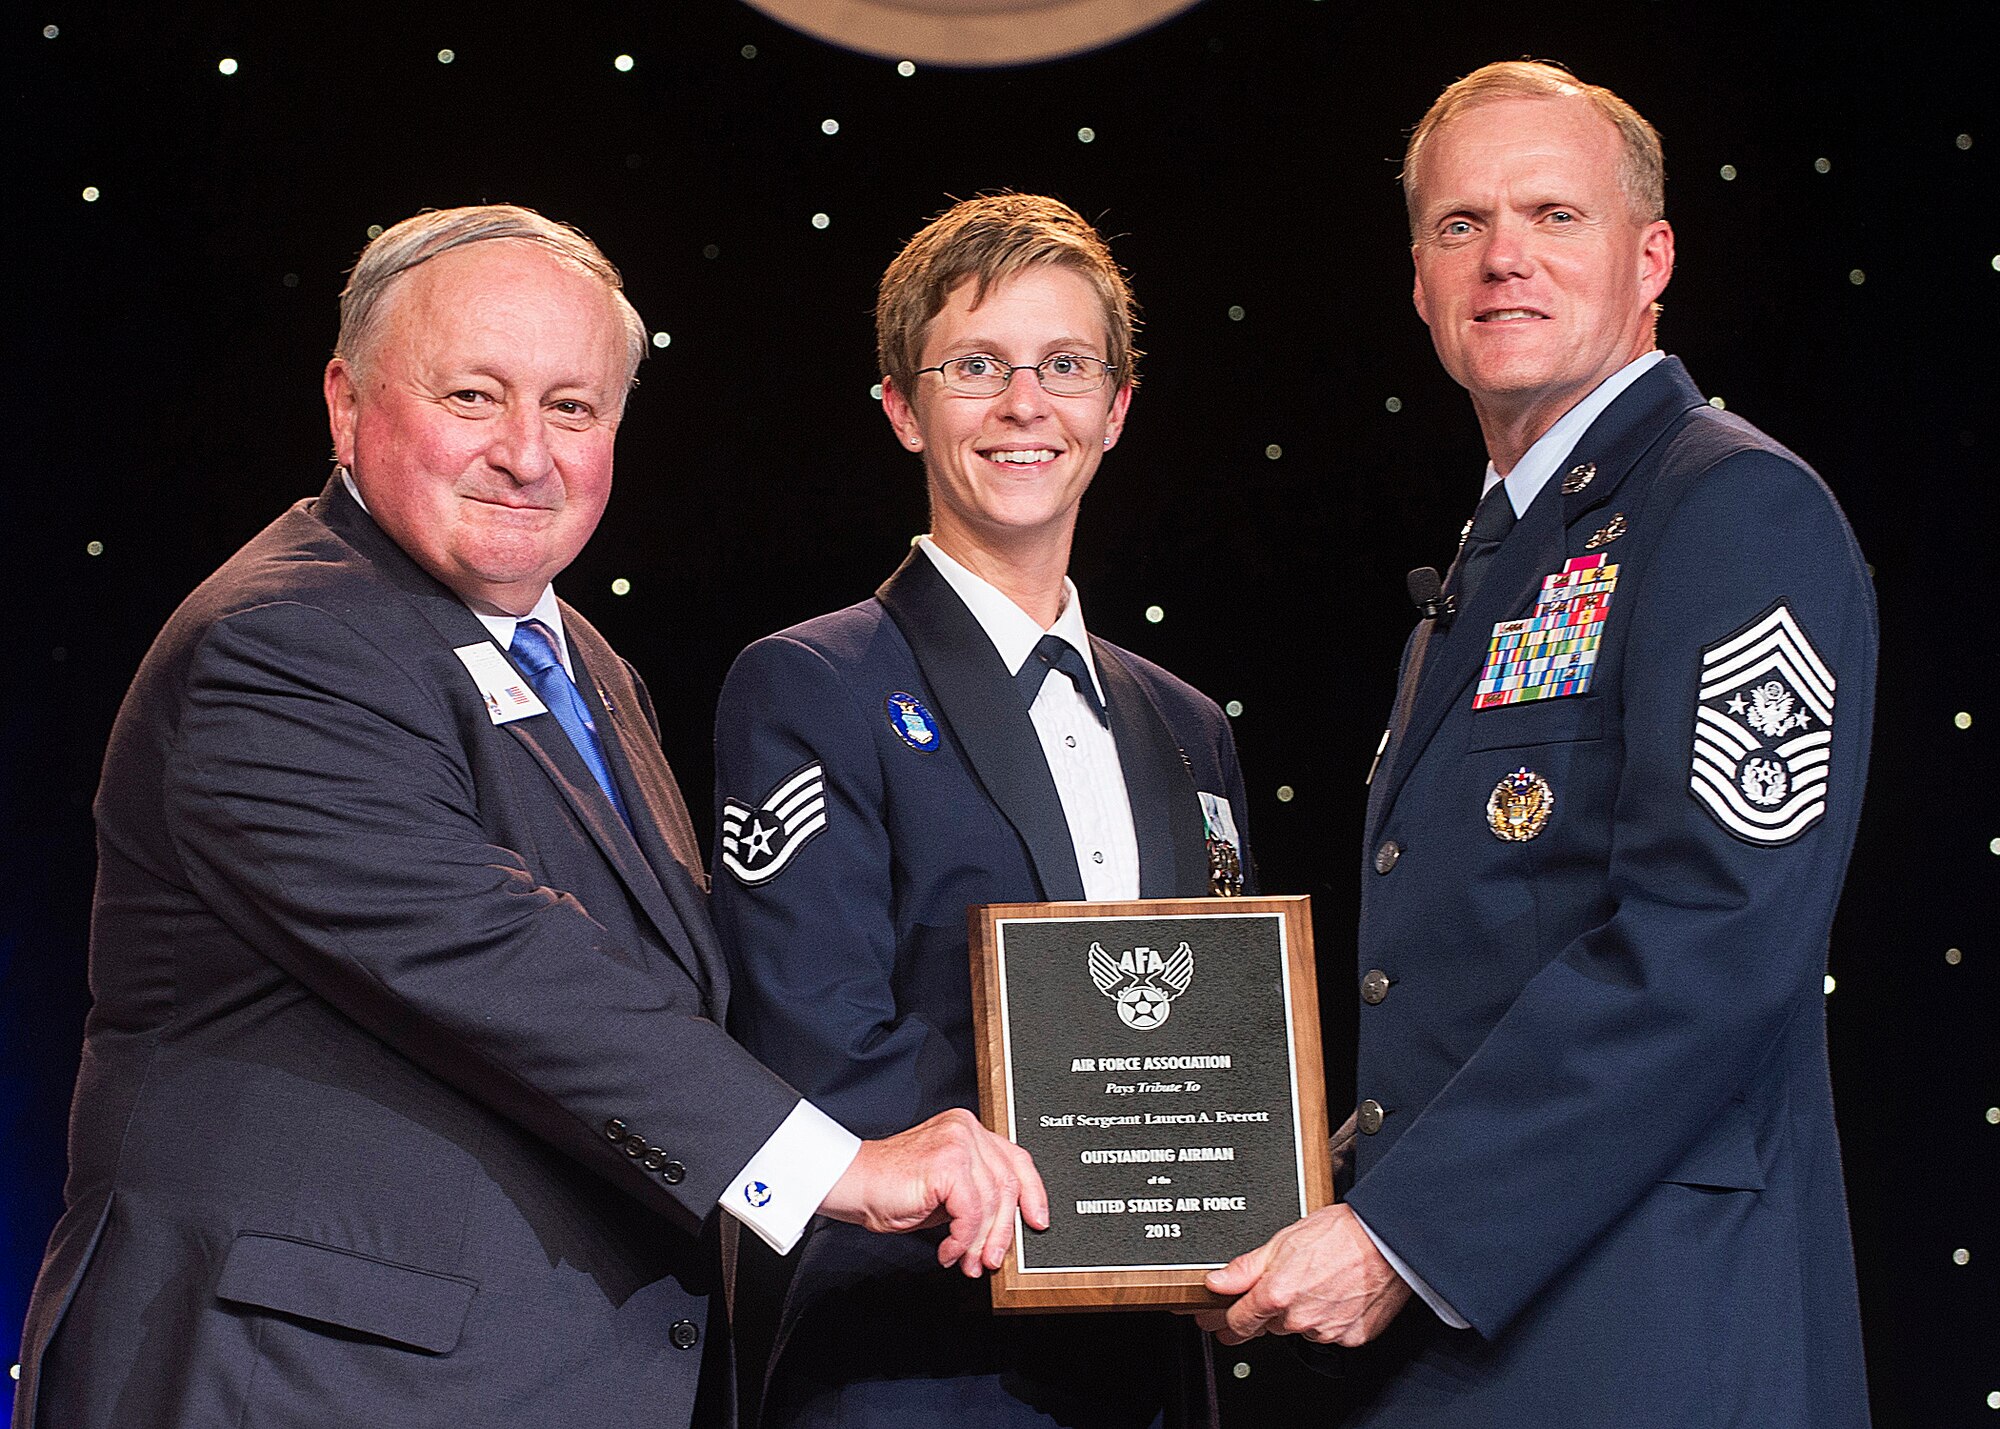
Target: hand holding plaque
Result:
[[1322, 1278], [947, 1171], [1161, 1062]]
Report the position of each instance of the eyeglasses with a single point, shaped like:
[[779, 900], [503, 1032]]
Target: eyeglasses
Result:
[[1067, 374]]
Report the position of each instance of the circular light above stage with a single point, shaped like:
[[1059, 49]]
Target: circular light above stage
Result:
[[973, 33]]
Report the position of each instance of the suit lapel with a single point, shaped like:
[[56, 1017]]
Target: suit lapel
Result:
[[1451, 663], [1166, 810], [662, 835], [541, 737], [1444, 664], [977, 701], [1407, 674], [1628, 429]]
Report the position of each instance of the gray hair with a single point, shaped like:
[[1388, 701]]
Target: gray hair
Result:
[[1642, 171], [415, 241]]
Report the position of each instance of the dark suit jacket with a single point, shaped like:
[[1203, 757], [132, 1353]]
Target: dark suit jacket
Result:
[[404, 1098], [852, 972], [1607, 1138]]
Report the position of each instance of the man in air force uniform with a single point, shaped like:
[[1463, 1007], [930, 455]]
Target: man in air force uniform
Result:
[[1604, 844]]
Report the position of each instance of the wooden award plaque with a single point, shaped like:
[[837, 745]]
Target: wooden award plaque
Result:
[[1161, 1061]]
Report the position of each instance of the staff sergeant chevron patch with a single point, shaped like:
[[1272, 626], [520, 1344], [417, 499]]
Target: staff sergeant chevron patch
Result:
[[1763, 730], [757, 843]]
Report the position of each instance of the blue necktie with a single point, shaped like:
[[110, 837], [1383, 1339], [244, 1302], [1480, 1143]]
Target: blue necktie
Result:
[[535, 648], [1052, 652]]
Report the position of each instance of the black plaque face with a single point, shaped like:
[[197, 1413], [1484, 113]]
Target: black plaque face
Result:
[[1148, 1064]]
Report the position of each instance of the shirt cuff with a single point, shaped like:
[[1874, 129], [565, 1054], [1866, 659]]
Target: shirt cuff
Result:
[[1416, 1282], [783, 1184]]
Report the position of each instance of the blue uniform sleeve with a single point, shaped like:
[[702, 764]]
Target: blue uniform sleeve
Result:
[[804, 886], [1620, 1064]]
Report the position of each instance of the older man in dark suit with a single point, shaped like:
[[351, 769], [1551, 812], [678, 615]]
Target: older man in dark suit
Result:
[[404, 1098], [1603, 850]]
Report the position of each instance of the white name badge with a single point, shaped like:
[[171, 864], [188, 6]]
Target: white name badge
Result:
[[504, 688]]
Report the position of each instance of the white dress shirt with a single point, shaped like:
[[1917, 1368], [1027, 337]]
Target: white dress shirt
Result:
[[1081, 753], [779, 1189]]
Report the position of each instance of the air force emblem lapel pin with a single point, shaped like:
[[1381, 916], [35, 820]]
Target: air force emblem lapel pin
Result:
[[911, 722], [1763, 730], [758, 843]]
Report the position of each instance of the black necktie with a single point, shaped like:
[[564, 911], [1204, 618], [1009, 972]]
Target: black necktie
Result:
[[1052, 652], [1490, 525]]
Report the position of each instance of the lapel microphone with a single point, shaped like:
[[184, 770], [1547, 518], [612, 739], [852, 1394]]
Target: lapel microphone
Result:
[[1426, 594]]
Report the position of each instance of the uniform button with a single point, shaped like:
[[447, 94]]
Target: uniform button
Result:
[[1097, 857], [684, 1335], [654, 1158], [1386, 856], [1374, 986], [1368, 1116], [673, 1173], [635, 1146], [1070, 740], [615, 1129]]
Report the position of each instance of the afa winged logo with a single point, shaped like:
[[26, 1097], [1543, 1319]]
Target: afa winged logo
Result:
[[1142, 981]]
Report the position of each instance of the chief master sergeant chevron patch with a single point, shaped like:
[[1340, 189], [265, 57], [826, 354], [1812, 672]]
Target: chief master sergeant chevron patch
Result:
[[1763, 730]]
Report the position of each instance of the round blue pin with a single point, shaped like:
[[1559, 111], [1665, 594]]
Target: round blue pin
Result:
[[912, 723]]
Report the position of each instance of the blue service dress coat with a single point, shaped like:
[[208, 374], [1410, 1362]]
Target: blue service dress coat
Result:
[[890, 740], [1593, 1060], [404, 1099]]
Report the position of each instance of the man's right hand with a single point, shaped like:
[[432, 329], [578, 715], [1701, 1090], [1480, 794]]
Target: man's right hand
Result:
[[949, 1170]]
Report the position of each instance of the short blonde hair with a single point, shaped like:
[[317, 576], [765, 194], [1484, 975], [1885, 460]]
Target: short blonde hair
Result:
[[1642, 171], [990, 239]]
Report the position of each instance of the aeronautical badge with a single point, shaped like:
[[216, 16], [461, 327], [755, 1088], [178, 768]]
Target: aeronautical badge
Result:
[[913, 724], [758, 843], [1606, 533], [1142, 982], [1579, 477], [1519, 806], [1763, 730]]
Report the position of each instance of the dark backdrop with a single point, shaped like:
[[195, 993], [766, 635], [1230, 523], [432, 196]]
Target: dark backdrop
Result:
[[1294, 448]]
